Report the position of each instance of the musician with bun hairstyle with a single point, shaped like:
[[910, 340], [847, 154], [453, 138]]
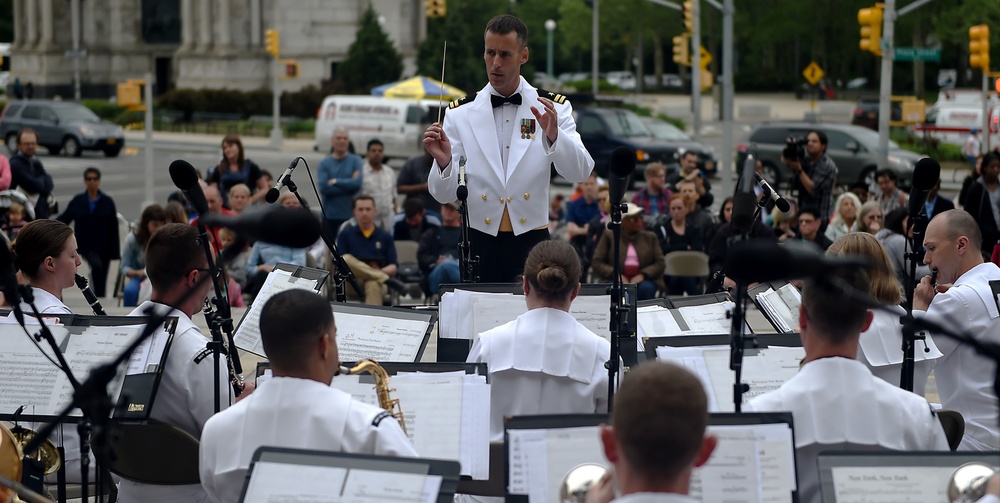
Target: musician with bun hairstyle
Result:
[[296, 408], [45, 253], [545, 362]]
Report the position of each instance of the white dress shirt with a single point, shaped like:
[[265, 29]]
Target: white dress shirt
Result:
[[881, 350]]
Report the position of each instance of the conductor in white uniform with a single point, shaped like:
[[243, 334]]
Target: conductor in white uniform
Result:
[[545, 362], [177, 268], [835, 401], [296, 408], [509, 134]]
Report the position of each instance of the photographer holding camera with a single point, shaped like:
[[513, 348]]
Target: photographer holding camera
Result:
[[814, 171]]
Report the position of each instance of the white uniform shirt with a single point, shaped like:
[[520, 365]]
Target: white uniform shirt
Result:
[[521, 184], [838, 401], [185, 399], [655, 498], [294, 413], [544, 362], [381, 185], [964, 378], [881, 350]]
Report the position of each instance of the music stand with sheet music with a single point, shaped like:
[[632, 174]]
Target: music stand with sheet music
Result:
[[282, 277], [393, 368], [922, 476], [457, 349], [777, 287], [297, 459]]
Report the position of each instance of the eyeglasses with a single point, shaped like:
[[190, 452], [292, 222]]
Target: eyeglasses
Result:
[[91, 179], [807, 221]]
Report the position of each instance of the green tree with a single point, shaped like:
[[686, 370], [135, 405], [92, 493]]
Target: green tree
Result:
[[6, 20], [463, 28], [371, 59]]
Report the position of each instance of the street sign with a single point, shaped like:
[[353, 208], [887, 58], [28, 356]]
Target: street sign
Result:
[[917, 54], [813, 73]]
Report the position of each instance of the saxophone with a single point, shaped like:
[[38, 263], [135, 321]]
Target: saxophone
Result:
[[382, 389]]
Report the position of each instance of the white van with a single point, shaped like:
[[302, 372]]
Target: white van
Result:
[[398, 123], [951, 124]]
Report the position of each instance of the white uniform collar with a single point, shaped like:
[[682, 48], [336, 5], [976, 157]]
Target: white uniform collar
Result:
[[520, 87], [546, 340], [46, 303], [982, 288], [184, 322]]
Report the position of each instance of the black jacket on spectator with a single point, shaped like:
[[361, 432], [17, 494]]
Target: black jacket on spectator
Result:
[[720, 243], [29, 175], [977, 203]]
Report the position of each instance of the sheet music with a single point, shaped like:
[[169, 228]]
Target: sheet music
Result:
[[380, 338], [656, 321], [593, 312], [489, 311], [475, 458], [782, 307], [28, 378], [465, 314], [764, 371], [707, 319], [891, 484], [148, 356], [298, 483], [247, 336], [751, 464], [540, 458]]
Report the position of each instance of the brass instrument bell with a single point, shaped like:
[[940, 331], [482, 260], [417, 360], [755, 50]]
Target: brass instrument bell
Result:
[[578, 481]]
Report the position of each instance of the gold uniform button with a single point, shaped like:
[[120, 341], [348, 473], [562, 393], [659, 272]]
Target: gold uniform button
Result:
[[508, 199], [484, 197], [501, 200], [487, 220], [523, 220], [527, 196]]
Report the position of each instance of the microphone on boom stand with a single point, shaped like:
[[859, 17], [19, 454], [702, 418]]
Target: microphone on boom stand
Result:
[[620, 167]]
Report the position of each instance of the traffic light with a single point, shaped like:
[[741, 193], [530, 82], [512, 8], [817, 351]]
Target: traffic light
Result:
[[682, 50], [272, 43], [979, 47], [870, 20], [289, 68], [689, 15], [436, 8]]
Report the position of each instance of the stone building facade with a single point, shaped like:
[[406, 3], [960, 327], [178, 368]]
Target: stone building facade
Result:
[[195, 43]]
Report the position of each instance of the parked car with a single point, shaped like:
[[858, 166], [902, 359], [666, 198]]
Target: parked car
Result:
[[866, 112], [62, 126], [624, 80], [854, 150], [605, 129], [670, 133]]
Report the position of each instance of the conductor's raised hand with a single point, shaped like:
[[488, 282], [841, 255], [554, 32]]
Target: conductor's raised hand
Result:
[[547, 118], [437, 144]]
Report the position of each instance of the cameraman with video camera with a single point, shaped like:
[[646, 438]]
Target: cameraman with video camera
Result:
[[815, 174]]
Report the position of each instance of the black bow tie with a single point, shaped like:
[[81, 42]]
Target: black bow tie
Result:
[[500, 100]]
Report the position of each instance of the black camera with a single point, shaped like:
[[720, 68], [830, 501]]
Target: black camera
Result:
[[795, 149]]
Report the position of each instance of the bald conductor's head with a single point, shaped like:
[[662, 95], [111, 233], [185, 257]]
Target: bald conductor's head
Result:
[[299, 335], [657, 432]]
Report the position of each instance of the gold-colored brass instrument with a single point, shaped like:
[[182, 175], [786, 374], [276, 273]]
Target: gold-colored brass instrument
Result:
[[578, 481], [10, 468], [968, 482], [382, 390], [47, 454]]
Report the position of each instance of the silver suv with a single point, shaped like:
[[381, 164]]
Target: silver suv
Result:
[[62, 126], [854, 149]]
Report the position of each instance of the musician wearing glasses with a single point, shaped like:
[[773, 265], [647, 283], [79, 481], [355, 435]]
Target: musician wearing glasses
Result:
[[510, 134], [962, 298], [97, 227], [545, 362], [656, 437], [178, 272], [296, 408], [835, 401]]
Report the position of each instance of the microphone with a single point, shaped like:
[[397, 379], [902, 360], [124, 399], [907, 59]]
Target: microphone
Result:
[[8, 282], [463, 189], [760, 260], [291, 227], [620, 166], [779, 201], [273, 192], [744, 200], [185, 177], [925, 177]]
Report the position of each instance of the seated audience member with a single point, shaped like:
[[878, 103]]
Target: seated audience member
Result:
[[545, 362], [595, 229], [845, 216], [438, 250], [239, 197], [414, 222], [579, 213], [657, 436], [895, 236], [697, 214], [16, 218], [133, 264], [677, 234], [785, 223], [962, 299], [889, 197], [871, 217], [641, 259], [296, 408], [810, 222], [264, 257], [835, 401], [937, 205], [983, 202], [655, 199], [369, 252], [689, 172], [860, 189]]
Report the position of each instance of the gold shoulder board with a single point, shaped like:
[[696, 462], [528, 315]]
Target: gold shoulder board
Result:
[[463, 100]]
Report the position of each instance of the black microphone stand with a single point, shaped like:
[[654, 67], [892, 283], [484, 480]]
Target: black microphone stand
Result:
[[619, 309], [910, 334], [468, 263], [341, 273], [737, 335]]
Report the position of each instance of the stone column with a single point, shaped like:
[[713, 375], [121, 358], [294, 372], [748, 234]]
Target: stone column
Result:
[[255, 24], [46, 24], [187, 25], [115, 24], [225, 39], [30, 23], [205, 25]]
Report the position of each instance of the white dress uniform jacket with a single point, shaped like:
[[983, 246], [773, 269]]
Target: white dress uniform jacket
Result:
[[544, 362], [294, 413], [964, 378], [185, 399], [654, 498], [881, 350], [524, 190], [838, 401]]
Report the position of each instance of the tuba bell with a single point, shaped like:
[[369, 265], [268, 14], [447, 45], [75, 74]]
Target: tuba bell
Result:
[[578, 481], [47, 454], [968, 482]]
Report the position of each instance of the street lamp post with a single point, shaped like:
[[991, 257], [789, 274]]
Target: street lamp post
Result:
[[550, 26]]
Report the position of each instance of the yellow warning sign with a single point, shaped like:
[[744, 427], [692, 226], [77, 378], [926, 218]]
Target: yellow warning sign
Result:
[[813, 73]]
